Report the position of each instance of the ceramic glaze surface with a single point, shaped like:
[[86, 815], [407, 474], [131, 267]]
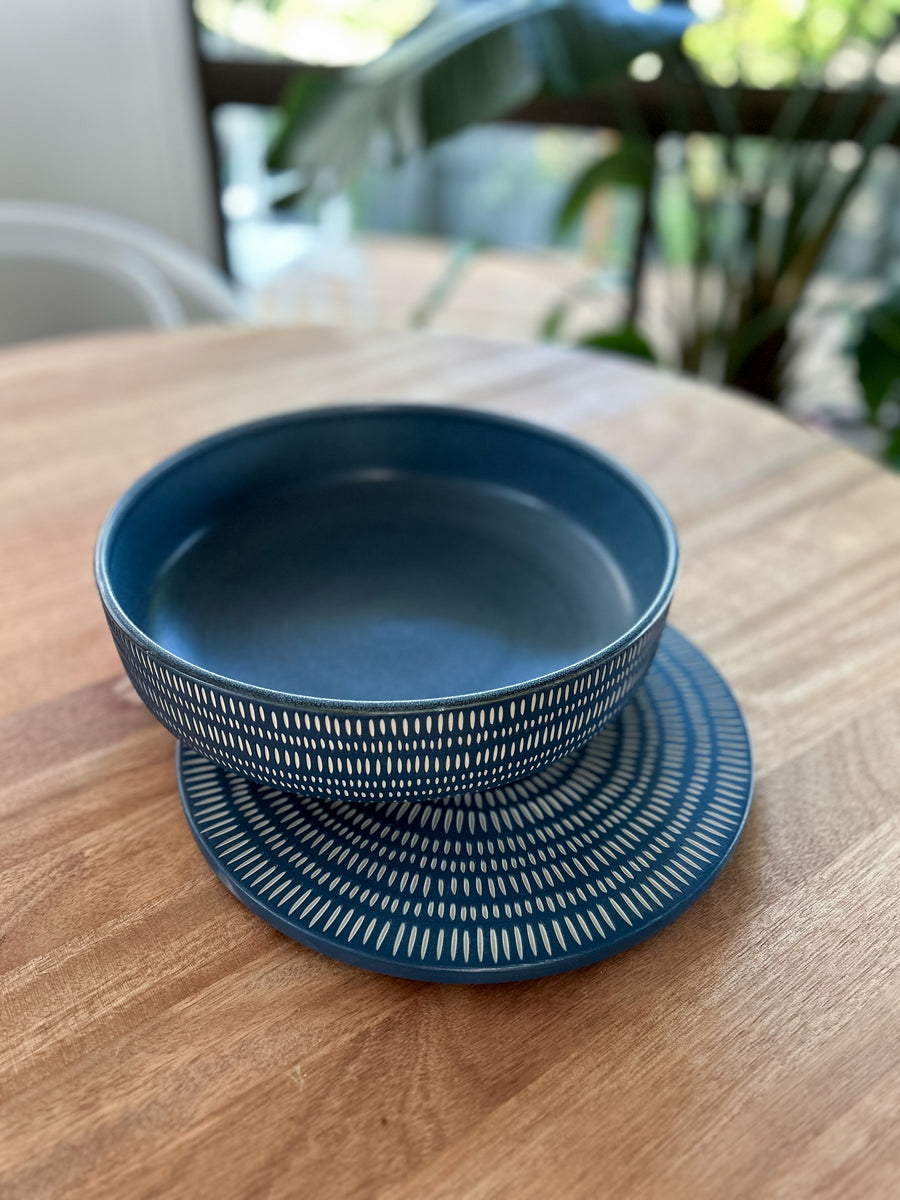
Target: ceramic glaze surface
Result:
[[397, 589], [562, 869], [386, 602], [407, 755]]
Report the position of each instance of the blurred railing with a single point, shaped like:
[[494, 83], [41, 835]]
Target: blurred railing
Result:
[[657, 108]]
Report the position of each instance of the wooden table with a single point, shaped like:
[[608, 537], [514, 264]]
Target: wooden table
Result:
[[159, 1040]]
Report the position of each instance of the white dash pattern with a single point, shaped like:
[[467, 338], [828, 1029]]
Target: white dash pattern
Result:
[[553, 871]]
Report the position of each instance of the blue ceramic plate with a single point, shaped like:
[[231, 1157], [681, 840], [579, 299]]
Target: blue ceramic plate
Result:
[[563, 869], [386, 602]]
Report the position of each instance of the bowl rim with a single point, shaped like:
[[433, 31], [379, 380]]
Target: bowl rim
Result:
[[116, 515]]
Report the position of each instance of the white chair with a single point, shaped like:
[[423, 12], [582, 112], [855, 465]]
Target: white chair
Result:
[[158, 272]]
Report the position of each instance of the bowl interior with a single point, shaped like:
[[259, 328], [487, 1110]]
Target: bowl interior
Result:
[[386, 554]]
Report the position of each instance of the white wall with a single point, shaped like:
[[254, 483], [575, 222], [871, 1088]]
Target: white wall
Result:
[[99, 106]]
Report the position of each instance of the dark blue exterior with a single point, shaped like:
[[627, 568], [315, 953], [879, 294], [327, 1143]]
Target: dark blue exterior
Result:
[[597, 852], [413, 754], [385, 750]]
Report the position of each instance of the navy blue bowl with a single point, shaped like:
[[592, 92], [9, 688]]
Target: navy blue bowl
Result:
[[386, 602]]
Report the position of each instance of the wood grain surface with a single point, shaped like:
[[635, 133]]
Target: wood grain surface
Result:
[[159, 1040]]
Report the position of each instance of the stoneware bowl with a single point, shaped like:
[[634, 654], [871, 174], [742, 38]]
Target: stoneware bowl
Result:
[[386, 602]]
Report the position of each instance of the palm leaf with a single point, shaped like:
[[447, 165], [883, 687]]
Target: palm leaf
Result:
[[551, 326], [468, 61], [631, 165], [620, 341], [880, 128], [877, 352]]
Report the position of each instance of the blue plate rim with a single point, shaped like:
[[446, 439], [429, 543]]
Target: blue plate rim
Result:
[[495, 973], [149, 479]]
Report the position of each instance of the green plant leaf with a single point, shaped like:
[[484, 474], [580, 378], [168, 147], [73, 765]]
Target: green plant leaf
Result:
[[551, 326], [583, 43], [304, 97], [468, 61], [480, 82], [620, 341], [877, 352], [879, 129], [631, 165]]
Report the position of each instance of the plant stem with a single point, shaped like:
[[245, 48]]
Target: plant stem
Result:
[[436, 296], [641, 245]]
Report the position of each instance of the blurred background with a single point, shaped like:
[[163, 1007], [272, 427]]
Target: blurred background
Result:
[[712, 186]]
